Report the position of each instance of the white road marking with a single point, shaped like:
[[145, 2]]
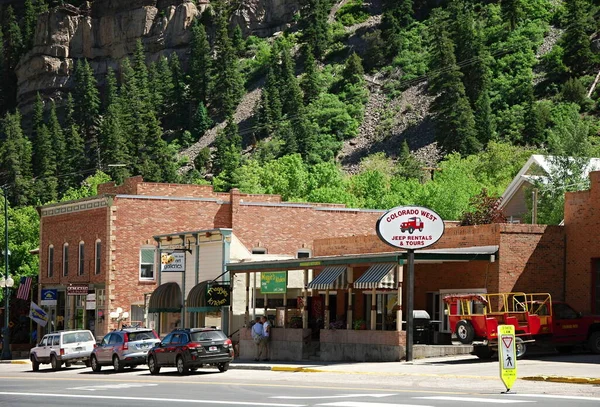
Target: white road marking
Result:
[[474, 399], [550, 396], [112, 386], [194, 401], [342, 396], [367, 404]]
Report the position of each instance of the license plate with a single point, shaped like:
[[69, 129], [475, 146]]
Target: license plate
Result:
[[79, 348], [212, 349]]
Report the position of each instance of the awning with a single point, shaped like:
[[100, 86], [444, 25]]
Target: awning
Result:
[[196, 299], [166, 298], [378, 276], [330, 278]]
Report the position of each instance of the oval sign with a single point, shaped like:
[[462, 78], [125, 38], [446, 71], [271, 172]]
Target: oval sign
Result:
[[410, 227]]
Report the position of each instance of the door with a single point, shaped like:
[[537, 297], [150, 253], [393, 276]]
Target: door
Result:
[[160, 352], [103, 349], [174, 348], [566, 324], [43, 351]]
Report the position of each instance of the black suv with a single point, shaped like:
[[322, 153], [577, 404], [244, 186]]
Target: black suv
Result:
[[125, 347], [192, 348]]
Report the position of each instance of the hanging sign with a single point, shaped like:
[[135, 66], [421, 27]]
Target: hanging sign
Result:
[[410, 227], [172, 262], [49, 297], [77, 289], [507, 355], [273, 283], [218, 296]]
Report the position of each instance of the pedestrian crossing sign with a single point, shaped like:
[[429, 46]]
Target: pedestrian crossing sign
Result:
[[507, 355]]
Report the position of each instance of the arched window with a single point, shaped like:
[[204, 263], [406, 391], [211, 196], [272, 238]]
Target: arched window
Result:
[[66, 259], [50, 261], [81, 259], [98, 262]]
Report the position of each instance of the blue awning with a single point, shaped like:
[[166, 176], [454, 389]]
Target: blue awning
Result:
[[378, 276], [333, 277]]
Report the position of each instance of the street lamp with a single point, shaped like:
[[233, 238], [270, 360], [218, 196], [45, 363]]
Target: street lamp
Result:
[[6, 282], [119, 316]]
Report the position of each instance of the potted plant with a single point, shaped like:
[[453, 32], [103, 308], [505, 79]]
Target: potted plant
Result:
[[360, 324]]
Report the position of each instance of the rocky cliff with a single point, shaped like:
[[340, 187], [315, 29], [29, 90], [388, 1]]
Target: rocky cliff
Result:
[[105, 31]]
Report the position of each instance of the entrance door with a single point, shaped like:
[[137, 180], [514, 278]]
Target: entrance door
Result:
[[596, 287]]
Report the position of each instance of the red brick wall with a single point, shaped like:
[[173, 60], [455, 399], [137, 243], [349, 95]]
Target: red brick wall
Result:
[[582, 227]]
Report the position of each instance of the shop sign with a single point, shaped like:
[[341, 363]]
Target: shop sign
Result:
[[49, 297], [273, 283], [410, 227], [218, 296], [90, 301], [77, 289], [172, 262]]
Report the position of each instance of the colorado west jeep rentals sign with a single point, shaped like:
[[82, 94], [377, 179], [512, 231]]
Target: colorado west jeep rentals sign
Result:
[[410, 227]]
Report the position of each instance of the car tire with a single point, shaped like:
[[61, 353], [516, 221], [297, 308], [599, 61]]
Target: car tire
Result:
[[483, 352], [153, 366], [87, 363], [421, 229], [411, 230], [520, 347], [96, 367], [67, 364], [223, 367], [54, 363], [465, 332], [181, 367], [594, 342], [117, 365], [193, 369], [35, 365]]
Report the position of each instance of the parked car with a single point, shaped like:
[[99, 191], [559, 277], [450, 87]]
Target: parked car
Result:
[[63, 347], [124, 347], [192, 348]]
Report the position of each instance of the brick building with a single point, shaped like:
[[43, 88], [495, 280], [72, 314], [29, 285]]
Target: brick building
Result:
[[99, 253]]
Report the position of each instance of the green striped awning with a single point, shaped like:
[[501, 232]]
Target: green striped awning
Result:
[[333, 277], [196, 299], [166, 298], [378, 276]]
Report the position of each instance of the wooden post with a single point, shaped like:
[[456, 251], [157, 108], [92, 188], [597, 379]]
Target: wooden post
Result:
[[373, 309], [247, 313], [304, 301], [400, 274], [349, 315], [326, 308]]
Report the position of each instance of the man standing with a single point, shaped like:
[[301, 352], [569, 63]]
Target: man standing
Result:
[[257, 330], [266, 336]]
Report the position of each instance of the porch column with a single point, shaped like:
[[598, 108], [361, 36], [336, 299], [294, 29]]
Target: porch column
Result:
[[266, 298], [285, 301], [247, 313], [349, 315], [400, 277], [326, 323], [305, 300], [373, 309]]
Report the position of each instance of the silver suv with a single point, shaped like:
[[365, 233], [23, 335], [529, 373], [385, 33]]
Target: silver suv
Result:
[[124, 347], [63, 347]]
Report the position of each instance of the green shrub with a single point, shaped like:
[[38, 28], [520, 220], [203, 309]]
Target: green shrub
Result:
[[353, 12]]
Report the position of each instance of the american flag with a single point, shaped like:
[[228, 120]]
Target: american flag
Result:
[[24, 288]]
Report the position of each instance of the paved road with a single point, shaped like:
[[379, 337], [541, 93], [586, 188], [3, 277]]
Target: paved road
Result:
[[443, 382]]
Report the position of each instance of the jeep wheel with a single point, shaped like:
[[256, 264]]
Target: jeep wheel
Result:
[[521, 347], [594, 342], [465, 332], [95, 365], [223, 367], [117, 365], [153, 366], [35, 365], [421, 229], [411, 230], [54, 362], [181, 367]]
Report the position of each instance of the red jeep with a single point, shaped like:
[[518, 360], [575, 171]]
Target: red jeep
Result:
[[412, 224]]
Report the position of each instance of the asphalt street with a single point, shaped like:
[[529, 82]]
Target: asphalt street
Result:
[[459, 381]]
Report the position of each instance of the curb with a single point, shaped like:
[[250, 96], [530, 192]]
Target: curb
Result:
[[564, 379], [15, 362]]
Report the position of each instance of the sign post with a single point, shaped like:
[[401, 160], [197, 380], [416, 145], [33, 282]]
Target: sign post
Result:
[[507, 355], [410, 228]]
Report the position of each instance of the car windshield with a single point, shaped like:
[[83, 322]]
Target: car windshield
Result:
[[141, 336], [208, 336]]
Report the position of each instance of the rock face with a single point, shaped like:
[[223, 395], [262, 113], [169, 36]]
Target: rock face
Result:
[[106, 31]]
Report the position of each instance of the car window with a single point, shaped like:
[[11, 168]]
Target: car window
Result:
[[44, 341], [167, 339], [176, 339], [115, 338], [140, 336], [106, 340], [208, 336], [56, 340]]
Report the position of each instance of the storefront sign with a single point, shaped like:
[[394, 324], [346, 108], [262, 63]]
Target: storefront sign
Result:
[[90, 301], [172, 262], [77, 289], [218, 296], [410, 227], [273, 283], [49, 297]]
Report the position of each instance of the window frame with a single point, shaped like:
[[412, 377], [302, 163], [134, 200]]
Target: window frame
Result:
[[50, 261], [141, 264], [65, 260], [81, 259], [98, 257], [303, 252], [259, 250]]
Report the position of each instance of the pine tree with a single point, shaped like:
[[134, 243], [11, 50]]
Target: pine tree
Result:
[[39, 145], [533, 132], [578, 56], [228, 81], [317, 30], [237, 41], [454, 117], [268, 115], [60, 149], [13, 49], [2, 73], [29, 22], [87, 109], [484, 119], [15, 160], [201, 122], [408, 165], [140, 70], [229, 151], [290, 92], [178, 96], [512, 12], [75, 158], [353, 72], [46, 183], [397, 16], [200, 65], [311, 86], [162, 84]]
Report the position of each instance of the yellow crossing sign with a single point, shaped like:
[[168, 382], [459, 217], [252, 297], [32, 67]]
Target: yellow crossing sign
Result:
[[507, 355]]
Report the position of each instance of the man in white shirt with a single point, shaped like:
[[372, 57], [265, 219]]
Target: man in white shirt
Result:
[[257, 331], [266, 336]]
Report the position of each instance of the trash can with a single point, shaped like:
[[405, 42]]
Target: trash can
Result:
[[422, 327]]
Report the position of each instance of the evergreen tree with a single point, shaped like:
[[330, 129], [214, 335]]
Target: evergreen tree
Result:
[[269, 108], [353, 72], [162, 85], [46, 183], [87, 108], [229, 151], [289, 88], [201, 122], [484, 118], [41, 140], [237, 41], [454, 117], [29, 22], [200, 65], [2, 73], [408, 166], [512, 12], [533, 131], [397, 16], [15, 160], [228, 81], [178, 96], [75, 159], [578, 56], [140, 70], [317, 30], [311, 86], [59, 148], [13, 49]]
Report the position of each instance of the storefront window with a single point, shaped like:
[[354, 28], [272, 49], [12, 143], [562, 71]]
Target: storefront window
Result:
[[147, 263], [81, 259], [50, 261], [98, 262], [66, 259]]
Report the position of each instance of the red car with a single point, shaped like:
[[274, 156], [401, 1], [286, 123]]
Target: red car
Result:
[[190, 348], [413, 224]]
